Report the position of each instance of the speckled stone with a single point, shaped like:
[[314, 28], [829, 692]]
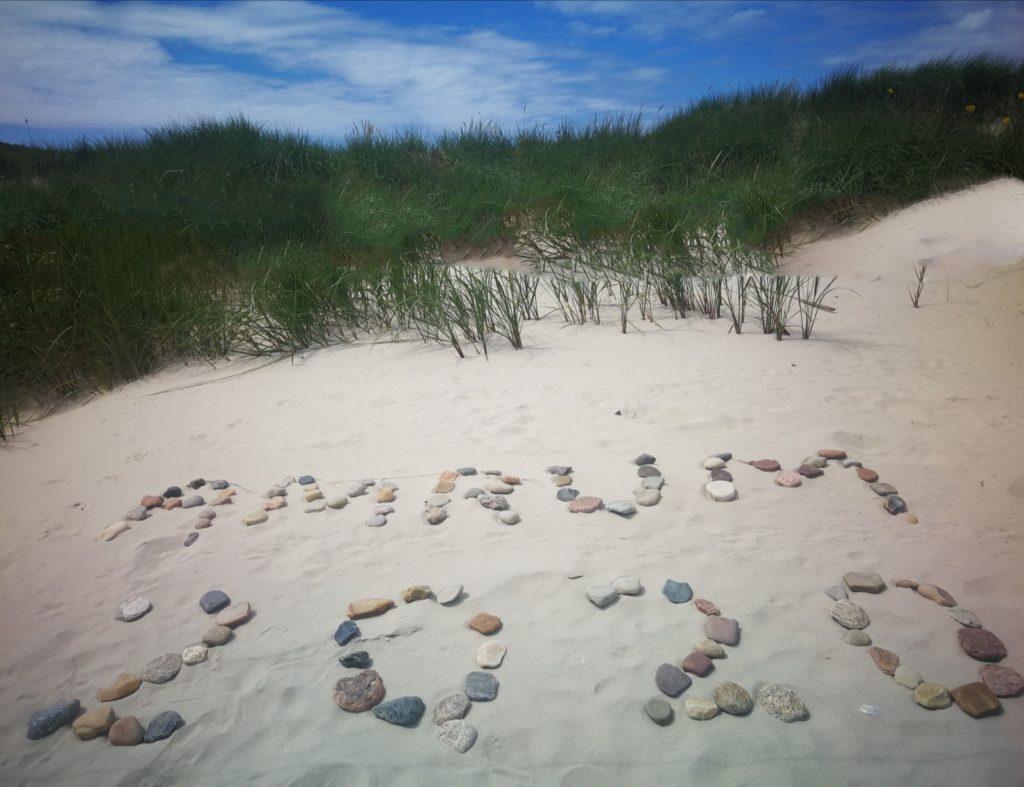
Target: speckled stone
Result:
[[864, 582], [360, 692], [435, 516], [849, 615], [781, 703], [133, 609], [932, 696], [733, 699], [700, 708], [1004, 681], [194, 654], [404, 711], [964, 617], [162, 669], [981, 644], [788, 479], [493, 502], [481, 686], [454, 706], [140, 512], [724, 630], [48, 720], [671, 680], [815, 461], [585, 504], [458, 735]]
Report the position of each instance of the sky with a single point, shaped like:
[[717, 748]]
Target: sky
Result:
[[72, 70]]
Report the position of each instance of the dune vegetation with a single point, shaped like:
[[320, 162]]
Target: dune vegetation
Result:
[[215, 238]]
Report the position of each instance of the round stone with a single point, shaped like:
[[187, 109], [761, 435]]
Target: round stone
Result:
[[567, 495], [981, 644], [434, 516], [234, 615], [360, 692], [895, 504], [172, 491], [438, 500], [305, 480], [194, 654], [336, 501], [356, 490], [585, 504], [857, 638], [208, 513], [849, 615], [457, 734], [932, 696], [724, 630], [218, 635], [561, 480], [628, 586], [315, 507], [449, 595], [163, 668], [481, 686], [648, 471], [809, 471], [620, 507], [1004, 681], [700, 708], [733, 698], [404, 711], [866, 474], [455, 706], [255, 517], [500, 488], [713, 463], [659, 711], [601, 595], [644, 459], [509, 517], [721, 491], [377, 520], [907, 677], [672, 680], [647, 497], [677, 592], [490, 654], [788, 479], [815, 461], [781, 702], [126, 731], [193, 501], [133, 609]]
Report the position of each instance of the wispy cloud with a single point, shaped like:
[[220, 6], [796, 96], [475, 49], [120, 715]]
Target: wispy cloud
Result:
[[705, 19]]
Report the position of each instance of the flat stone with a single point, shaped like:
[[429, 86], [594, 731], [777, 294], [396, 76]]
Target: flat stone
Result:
[[905, 583], [809, 471], [711, 649], [163, 726], [484, 623], [358, 659], [559, 470], [654, 482], [837, 593], [976, 699], [358, 489], [125, 684], [1004, 681], [219, 484], [287, 481], [151, 501], [659, 711], [133, 609], [782, 703], [275, 491], [172, 503], [620, 507], [346, 632], [194, 654], [964, 617], [857, 638], [162, 669], [725, 456], [385, 494], [883, 490], [628, 586], [369, 607], [700, 708], [644, 459], [601, 595], [789, 479], [222, 499], [218, 635], [464, 471], [698, 664], [766, 465], [438, 501], [567, 495], [849, 615], [493, 502], [721, 475], [255, 518], [677, 592], [454, 706], [509, 517], [586, 504], [932, 696], [404, 711], [311, 495], [895, 504], [235, 615], [936, 594], [275, 503], [911, 519], [473, 493], [481, 686], [733, 698], [443, 487], [832, 453], [981, 644], [864, 581], [672, 680], [490, 654], [885, 660], [336, 501], [360, 692], [907, 677], [193, 501], [815, 461], [511, 480], [306, 480], [647, 497], [378, 520], [110, 532], [457, 734], [561, 480], [202, 523], [197, 483], [50, 719], [172, 491], [416, 593], [707, 607], [724, 630], [713, 463], [449, 595], [126, 731], [435, 516], [138, 514], [315, 507], [867, 474], [721, 491]]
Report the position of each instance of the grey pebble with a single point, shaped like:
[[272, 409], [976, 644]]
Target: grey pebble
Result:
[[481, 686], [567, 494], [377, 520]]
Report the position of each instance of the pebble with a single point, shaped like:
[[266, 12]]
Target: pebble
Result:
[[700, 708], [815, 461], [219, 484], [511, 480], [305, 480], [218, 635], [707, 607], [895, 504], [464, 471], [837, 593], [126, 731], [848, 463], [1004, 681], [724, 630], [932, 696], [315, 507], [50, 719], [647, 497], [213, 601], [454, 706], [172, 491], [981, 644], [866, 474], [906, 583], [379, 520], [360, 692], [509, 517], [620, 507], [864, 581], [493, 502], [721, 491], [163, 726], [907, 677], [346, 632], [163, 668], [255, 518], [721, 475], [648, 471], [125, 684], [337, 501], [443, 487], [368, 607], [449, 595], [849, 615], [484, 623], [383, 509], [110, 532], [235, 615], [172, 503], [964, 617], [359, 659], [883, 490], [287, 481], [936, 594], [133, 609], [781, 703], [275, 491], [208, 513], [733, 698], [601, 595], [197, 483], [628, 586], [562, 480], [312, 494], [416, 593], [151, 501], [457, 734], [788, 479], [194, 654], [585, 504], [357, 489], [677, 592], [385, 494], [912, 520], [654, 482], [698, 664], [976, 699], [473, 493], [404, 711], [711, 649], [435, 516], [832, 453], [567, 495], [490, 654], [481, 686], [644, 459], [857, 638], [672, 680], [274, 503], [223, 498], [438, 501], [809, 471], [713, 463], [193, 501], [725, 456], [137, 514], [766, 465], [885, 660], [386, 484], [559, 470], [659, 711]]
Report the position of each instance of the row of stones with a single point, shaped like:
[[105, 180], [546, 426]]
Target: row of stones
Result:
[[493, 498], [977, 698], [647, 494], [172, 499]]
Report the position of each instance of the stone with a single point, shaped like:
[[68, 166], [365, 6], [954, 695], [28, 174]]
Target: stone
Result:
[[567, 495], [809, 471], [360, 692], [647, 497], [585, 504], [416, 593], [721, 491], [864, 582], [449, 595], [275, 491], [223, 499], [337, 501], [700, 708], [672, 680], [443, 487], [509, 517], [698, 664], [126, 731], [275, 503], [832, 453], [677, 592], [202, 523], [981, 644], [601, 595], [837, 593], [911, 519], [721, 475], [138, 514], [359, 659], [287, 481], [254, 518], [766, 465], [711, 649], [866, 474], [964, 617], [172, 503], [473, 493], [193, 501], [628, 586], [437, 501], [151, 501], [218, 635], [163, 726], [659, 711], [235, 615], [387, 484], [172, 491], [725, 456], [815, 461], [849, 615], [213, 601], [895, 504], [490, 654], [713, 463], [733, 698], [369, 607], [219, 484], [435, 516], [464, 471], [311, 495], [788, 479], [932, 696], [194, 654], [385, 494], [306, 480], [644, 459], [458, 735], [885, 660], [653, 482], [559, 470], [315, 507], [1004, 681], [905, 583], [706, 607], [404, 711], [110, 532], [448, 476], [620, 507], [358, 489], [190, 539], [346, 632], [454, 706], [481, 686], [848, 462], [648, 471], [378, 520], [883, 490], [936, 594], [197, 483], [50, 719], [907, 677], [493, 502], [724, 630], [125, 684], [163, 668], [976, 699], [782, 703], [561, 480], [133, 609], [511, 480], [484, 623], [857, 638]]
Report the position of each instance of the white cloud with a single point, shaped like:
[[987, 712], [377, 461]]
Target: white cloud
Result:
[[704, 19]]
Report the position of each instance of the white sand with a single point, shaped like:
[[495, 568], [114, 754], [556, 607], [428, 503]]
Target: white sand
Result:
[[929, 397]]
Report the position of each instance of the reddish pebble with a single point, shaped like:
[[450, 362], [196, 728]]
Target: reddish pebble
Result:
[[885, 660], [585, 505], [788, 479], [724, 630], [832, 453], [975, 699], [981, 644], [707, 607], [484, 623], [151, 501], [809, 471], [174, 502], [905, 583], [766, 465], [866, 474], [1004, 681], [698, 664]]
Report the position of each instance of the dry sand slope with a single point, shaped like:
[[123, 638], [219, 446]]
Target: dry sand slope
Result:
[[929, 397]]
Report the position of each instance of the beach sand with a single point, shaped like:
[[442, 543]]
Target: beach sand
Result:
[[930, 398]]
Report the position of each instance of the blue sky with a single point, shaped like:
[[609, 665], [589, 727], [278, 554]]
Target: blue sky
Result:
[[95, 69]]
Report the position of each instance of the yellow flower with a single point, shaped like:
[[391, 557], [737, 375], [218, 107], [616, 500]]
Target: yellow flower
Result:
[[890, 91], [970, 108]]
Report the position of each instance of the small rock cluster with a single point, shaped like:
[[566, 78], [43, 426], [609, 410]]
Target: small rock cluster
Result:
[[173, 498], [720, 486]]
